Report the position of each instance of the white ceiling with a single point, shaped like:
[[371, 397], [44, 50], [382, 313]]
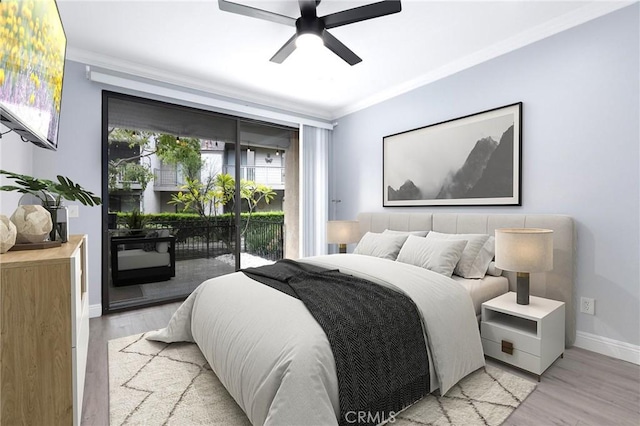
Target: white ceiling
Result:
[[194, 44]]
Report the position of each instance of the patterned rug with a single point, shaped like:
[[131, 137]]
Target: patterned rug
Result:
[[153, 383]]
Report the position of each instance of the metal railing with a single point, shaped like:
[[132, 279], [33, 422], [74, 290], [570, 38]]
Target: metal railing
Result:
[[168, 177], [121, 183], [267, 175], [207, 238], [264, 239]]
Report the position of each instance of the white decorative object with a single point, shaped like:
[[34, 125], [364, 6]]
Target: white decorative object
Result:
[[7, 234], [33, 224]]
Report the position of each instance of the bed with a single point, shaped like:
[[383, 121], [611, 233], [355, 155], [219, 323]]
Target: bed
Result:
[[556, 284], [482, 290], [275, 360]]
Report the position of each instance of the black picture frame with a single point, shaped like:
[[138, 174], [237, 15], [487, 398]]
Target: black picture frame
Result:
[[473, 160]]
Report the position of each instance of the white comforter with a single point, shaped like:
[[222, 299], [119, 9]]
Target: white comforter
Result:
[[274, 358]]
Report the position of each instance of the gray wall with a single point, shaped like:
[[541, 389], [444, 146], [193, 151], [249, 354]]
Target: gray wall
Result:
[[15, 156], [581, 140], [79, 157]]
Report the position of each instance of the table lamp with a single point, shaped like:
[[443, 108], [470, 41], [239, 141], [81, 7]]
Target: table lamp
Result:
[[343, 232], [524, 250]]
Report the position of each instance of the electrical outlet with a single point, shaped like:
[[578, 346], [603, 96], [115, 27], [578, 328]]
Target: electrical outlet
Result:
[[73, 210], [588, 305]]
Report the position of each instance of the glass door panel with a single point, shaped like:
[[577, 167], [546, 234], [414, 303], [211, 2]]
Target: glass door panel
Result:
[[170, 200], [263, 153]]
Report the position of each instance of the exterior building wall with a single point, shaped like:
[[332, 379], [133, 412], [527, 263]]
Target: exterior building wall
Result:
[[150, 198], [212, 166]]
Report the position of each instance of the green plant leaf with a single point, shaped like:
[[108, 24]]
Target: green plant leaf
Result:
[[64, 188]]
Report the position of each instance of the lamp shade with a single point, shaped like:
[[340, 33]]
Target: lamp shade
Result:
[[524, 249], [343, 232]]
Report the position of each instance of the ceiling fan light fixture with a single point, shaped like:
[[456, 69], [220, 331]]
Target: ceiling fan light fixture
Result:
[[309, 41], [311, 28]]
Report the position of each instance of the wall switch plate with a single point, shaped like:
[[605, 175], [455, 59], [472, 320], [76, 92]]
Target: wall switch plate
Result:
[[588, 305], [73, 210]]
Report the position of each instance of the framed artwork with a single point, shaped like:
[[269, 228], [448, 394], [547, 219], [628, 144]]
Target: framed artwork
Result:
[[468, 161]]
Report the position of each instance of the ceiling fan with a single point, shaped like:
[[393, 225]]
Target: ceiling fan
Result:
[[311, 26]]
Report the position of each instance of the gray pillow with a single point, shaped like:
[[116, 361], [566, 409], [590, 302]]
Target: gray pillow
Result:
[[493, 270], [439, 256], [163, 247], [407, 233], [150, 246], [476, 256], [380, 245]]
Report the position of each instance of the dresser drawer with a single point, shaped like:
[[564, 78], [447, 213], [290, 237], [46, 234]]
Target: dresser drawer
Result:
[[519, 358], [521, 341]]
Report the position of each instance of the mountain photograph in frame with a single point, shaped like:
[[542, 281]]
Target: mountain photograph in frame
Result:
[[468, 161]]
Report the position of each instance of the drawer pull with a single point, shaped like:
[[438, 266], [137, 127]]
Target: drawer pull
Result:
[[507, 347]]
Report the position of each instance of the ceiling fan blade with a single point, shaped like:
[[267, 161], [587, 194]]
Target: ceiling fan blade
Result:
[[362, 13], [340, 49], [308, 8], [285, 50], [252, 12]]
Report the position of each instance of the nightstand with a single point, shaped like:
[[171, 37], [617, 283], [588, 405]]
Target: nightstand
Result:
[[530, 337]]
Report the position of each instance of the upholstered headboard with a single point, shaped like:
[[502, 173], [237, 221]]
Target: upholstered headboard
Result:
[[556, 284]]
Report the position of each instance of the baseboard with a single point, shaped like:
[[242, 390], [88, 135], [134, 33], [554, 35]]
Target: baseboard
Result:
[[95, 310], [610, 347]]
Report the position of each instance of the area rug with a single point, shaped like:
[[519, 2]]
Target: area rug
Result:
[[152, 383]]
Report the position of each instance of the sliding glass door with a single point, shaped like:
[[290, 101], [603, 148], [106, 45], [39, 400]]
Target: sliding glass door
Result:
[[190, 195]]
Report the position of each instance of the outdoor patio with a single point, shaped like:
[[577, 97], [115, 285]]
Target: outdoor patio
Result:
[[189, 275]]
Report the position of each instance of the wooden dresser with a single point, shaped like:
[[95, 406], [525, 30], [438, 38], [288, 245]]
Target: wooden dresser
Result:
[[45, 334]]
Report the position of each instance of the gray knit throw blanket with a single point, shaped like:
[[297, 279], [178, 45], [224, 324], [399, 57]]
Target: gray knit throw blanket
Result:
[[375, 334]]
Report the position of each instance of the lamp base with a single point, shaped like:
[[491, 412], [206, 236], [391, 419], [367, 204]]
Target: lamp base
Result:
[[342, 248], [522, 295]]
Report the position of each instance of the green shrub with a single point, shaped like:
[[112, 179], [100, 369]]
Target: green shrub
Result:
[[264, 238]]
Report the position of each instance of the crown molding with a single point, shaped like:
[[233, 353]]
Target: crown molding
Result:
[[557, 25], [241, 97]]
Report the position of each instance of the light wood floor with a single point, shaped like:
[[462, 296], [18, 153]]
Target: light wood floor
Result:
[[583, 388]]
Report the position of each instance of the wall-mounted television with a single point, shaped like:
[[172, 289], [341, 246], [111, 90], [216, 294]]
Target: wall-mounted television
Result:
[[32, 51]]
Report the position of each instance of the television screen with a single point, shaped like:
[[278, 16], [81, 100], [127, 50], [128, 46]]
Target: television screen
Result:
[[32, 52]]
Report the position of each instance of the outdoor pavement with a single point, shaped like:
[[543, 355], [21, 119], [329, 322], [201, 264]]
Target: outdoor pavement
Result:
[[189, 275]]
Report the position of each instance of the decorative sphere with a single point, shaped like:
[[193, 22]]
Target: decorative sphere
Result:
[[7, 234], [33, 223]]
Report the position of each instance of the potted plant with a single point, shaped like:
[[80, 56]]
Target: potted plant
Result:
[[51, 194], [136, 222]]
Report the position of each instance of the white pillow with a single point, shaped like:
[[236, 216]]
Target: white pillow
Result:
[[440, 256], [380, 245], [476, 256], [407, 233], [494, 270], [163, 247]]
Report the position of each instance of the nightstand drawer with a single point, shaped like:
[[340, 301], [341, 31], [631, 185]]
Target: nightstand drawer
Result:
[[520, 359], [521, 341]]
